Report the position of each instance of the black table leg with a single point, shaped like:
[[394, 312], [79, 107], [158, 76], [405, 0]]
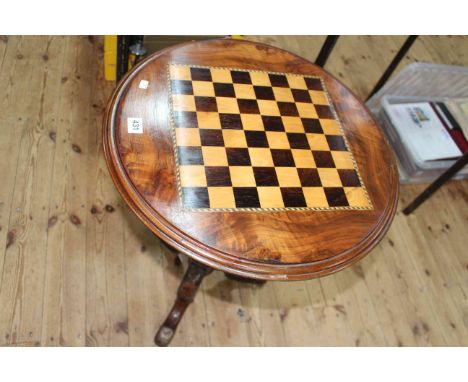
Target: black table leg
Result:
[[457, 166], [326, 50], [393, 65]]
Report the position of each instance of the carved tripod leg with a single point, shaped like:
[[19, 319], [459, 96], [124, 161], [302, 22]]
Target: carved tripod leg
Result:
[[185, 295]]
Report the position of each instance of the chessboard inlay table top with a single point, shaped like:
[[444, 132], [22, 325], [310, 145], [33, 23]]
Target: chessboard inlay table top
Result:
[[254, 140]]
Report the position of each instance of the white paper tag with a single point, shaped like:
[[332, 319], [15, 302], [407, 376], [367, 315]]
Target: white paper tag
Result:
[[135, 125], [143, 84]]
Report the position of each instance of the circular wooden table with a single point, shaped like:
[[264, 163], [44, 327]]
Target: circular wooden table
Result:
[[250, 160]]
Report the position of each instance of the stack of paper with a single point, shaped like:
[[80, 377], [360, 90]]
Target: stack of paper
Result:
[[427, 136]]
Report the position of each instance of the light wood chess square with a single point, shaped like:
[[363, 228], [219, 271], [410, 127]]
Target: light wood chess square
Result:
[[221, 75], [306, 110], [330, 127], [227, 105], [187, 137], [343, 159], [329, 177], [214, 156], [234, 138], [183, 102], [270, 197], [242, 176], [252, 122], [192, 176], [268, 107], [318, 97], [315, 196], [318, 142], [283, 94], [296, 82], [303, 158], [293, 124], [356, 196], [221, 197], [261, 157], [277, 140], [203, 88], [208, 120], [260, 78], [288, 177], [244, 91]]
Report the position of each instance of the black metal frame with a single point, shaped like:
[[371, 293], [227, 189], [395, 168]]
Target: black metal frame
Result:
[[326, 50], [439, 182], [393, 65]]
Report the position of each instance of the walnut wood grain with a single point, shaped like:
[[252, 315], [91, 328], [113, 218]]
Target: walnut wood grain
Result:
[[265, 245]]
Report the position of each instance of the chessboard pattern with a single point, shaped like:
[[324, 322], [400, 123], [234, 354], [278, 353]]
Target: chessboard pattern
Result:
[[254, 140]]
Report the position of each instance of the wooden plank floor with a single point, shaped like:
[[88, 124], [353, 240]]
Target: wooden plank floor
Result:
[[78, 268]]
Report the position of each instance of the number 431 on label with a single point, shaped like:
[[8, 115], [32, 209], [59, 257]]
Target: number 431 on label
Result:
[[135, 125]]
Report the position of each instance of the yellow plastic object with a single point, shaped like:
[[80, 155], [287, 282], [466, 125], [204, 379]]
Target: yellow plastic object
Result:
[[110, 57], [237, 37]]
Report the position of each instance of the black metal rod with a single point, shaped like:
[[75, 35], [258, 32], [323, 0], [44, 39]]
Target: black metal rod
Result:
[[393, 65], [457, 166], [122, 55], [326, 50]]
